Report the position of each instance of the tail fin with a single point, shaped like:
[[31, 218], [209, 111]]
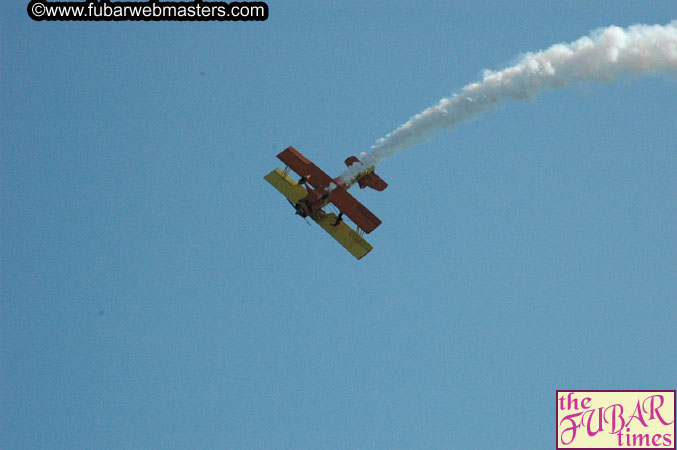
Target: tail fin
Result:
[[371, 179]]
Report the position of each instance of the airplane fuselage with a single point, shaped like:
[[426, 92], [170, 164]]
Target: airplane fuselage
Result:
[[319, 198]]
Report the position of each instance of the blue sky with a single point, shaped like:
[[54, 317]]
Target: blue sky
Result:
[[158, 293]]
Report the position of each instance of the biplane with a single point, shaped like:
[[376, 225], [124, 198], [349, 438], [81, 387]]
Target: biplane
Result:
[[315, 190]]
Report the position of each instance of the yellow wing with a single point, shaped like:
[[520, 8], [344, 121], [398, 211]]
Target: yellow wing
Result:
[[344, 235], [285, 184]]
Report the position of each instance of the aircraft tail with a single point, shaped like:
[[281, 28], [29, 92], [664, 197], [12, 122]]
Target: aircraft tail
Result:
[[369, 180]]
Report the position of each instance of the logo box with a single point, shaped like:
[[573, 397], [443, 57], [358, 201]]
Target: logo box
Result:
[[610, 420]]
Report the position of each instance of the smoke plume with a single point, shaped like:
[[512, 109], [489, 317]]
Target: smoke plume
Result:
[[605, 55]]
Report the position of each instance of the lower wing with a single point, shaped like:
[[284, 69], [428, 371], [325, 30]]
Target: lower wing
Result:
[[286, 185]]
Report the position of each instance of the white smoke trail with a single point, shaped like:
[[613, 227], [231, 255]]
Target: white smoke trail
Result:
[[605, 55]]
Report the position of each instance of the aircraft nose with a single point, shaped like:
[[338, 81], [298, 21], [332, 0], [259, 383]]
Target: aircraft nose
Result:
[[301, 209]]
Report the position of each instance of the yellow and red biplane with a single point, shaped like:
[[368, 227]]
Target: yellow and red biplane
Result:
[[315, 190]]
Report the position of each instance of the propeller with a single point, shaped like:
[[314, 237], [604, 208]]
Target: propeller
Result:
[[297, 213]]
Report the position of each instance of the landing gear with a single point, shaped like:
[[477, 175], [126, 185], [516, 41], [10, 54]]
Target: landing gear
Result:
[[339, 219]]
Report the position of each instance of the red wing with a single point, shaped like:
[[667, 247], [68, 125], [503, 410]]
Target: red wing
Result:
[[301, 165], [357, 212]]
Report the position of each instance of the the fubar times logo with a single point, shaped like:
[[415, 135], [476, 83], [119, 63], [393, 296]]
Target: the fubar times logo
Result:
[[616, 420]]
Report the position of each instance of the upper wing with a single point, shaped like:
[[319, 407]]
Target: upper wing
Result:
[[357, 212], [301, 165]]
